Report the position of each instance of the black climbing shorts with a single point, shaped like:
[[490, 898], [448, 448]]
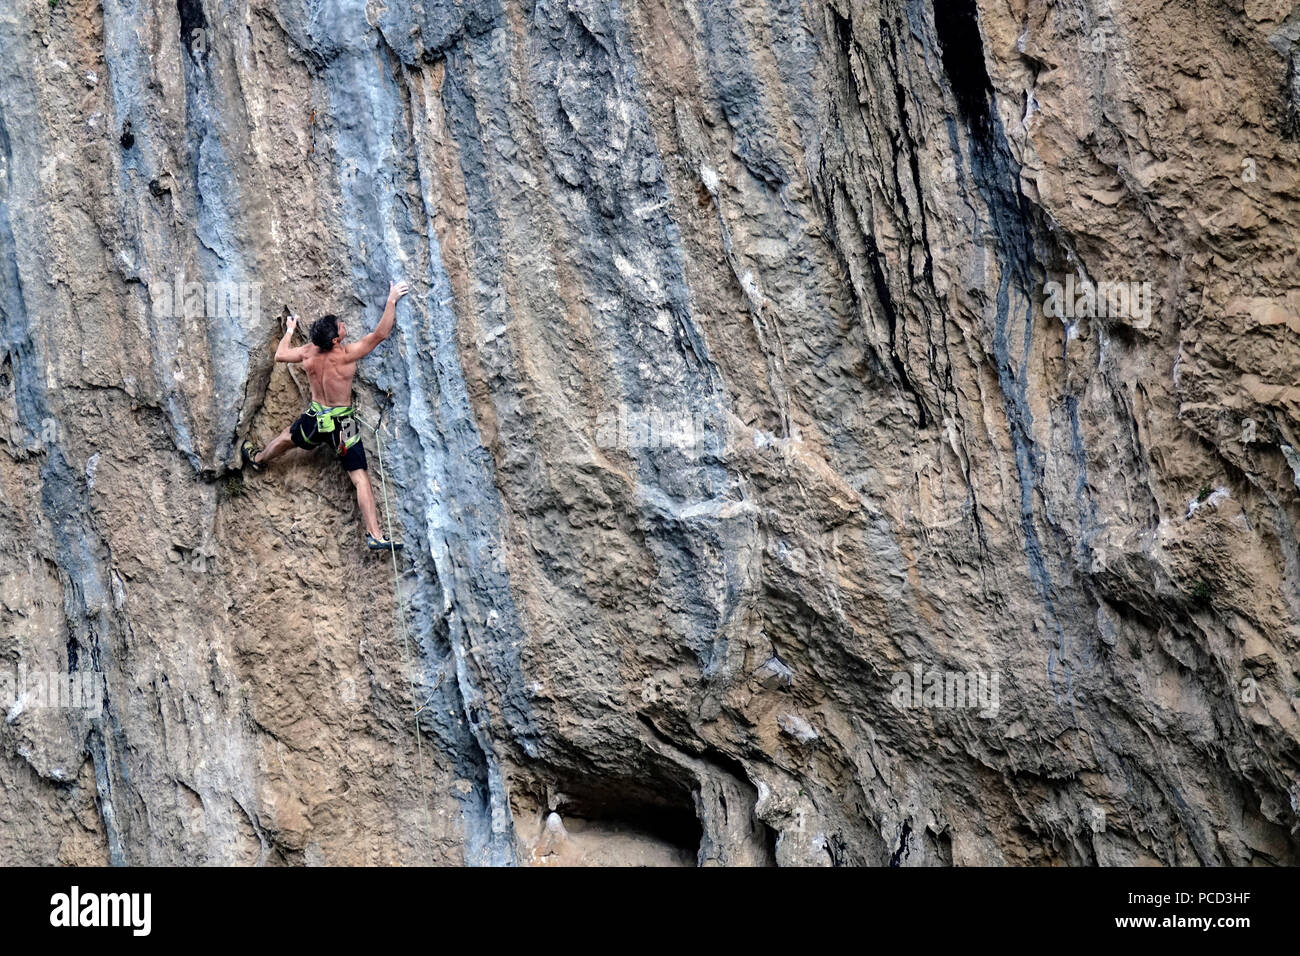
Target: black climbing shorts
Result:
[[304, 434]]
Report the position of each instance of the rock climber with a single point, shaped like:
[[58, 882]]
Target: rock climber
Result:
[[331, 419]]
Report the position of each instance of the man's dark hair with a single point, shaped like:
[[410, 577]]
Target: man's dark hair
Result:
[[324, 331]]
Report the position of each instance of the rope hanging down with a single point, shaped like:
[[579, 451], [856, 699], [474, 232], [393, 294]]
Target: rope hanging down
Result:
[[400, 612]]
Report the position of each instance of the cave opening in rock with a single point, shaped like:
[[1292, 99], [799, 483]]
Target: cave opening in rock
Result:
[[661, 811], [957, 23]]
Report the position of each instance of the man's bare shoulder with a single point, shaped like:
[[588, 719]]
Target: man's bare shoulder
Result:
[[342, 356]]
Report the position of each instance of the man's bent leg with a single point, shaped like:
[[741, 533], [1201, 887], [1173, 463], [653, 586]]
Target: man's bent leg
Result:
[[277, 447], [366, 501]]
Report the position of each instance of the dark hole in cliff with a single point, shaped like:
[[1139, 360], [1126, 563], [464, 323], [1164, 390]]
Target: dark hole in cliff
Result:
[[127, 139], [770, 839], [993, 169], [193, 26], [957, 23], [662, 809], [900, 854]]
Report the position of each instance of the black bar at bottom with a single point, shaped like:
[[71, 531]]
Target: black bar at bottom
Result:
[[566, 907]]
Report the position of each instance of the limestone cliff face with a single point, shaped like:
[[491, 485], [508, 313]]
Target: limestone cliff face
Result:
[[772, 368]]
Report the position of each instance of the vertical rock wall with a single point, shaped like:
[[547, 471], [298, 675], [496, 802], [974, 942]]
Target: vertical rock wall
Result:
[[732, 403]]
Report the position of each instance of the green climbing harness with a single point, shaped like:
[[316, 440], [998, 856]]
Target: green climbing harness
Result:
[[342, 418]]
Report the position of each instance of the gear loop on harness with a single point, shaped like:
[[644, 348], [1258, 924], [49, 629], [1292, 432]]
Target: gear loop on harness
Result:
[[338, 422]]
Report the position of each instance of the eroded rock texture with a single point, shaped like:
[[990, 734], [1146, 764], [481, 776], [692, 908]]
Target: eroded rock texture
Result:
[[727, 393]]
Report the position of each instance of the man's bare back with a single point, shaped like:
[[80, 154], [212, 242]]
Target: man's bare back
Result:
[[331, 375]]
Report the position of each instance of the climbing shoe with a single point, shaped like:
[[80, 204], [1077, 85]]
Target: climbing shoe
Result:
[[250, 456], [382, 544]]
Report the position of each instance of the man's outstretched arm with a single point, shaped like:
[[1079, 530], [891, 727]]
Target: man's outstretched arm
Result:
[[284, 352], [370, 342]]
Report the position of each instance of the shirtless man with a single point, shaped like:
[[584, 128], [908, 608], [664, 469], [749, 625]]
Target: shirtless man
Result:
[[331, 420]]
